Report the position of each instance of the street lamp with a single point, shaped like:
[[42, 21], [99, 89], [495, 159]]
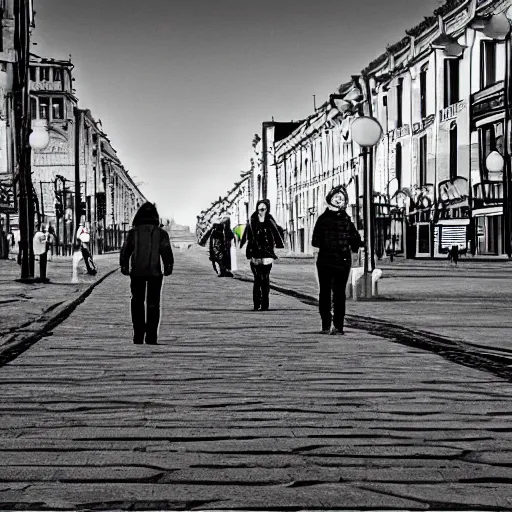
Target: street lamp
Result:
[[366, 132], [39, 138]]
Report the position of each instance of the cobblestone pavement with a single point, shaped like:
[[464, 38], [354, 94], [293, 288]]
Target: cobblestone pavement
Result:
[[26, 309], [244, 409], [470, 304]]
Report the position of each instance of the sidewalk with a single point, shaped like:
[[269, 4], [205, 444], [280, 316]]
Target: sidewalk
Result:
[[25, 309], [470, 304], [237, 409]]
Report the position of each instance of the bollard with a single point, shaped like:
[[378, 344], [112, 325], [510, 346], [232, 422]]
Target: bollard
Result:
[[376, 275]]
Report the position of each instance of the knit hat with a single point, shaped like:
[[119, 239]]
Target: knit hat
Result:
[[337, 190]]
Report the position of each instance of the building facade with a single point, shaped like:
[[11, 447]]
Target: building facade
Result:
[[14, 47], [442, 96], [78, 177]]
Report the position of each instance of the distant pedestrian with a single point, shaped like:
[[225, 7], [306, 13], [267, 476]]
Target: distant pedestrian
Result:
[[453, 255], [40, 248], [221, 238], [50, 236], [83, 240], [336, 238], [147, 245], [263, 236]]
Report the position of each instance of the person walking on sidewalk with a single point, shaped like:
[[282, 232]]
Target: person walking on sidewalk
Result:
[[263, 236], [40, 248], [335, 237], [83, 240], [147, 246]]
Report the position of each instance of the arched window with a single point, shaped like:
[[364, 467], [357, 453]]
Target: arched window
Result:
[[453, 150], [398, 165]]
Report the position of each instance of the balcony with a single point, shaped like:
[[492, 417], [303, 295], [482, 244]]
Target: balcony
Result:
[[487, 102], [451, 111], [487, 193]]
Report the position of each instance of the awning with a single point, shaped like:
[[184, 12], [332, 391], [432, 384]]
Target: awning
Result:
[[488, 212]]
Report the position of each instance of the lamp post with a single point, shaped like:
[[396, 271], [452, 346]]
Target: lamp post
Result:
[[366, 132]]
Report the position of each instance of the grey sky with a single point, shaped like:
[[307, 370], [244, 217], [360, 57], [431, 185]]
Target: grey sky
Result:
[[181, 86]]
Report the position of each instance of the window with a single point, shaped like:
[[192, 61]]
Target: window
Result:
[[33, 108], [453, 151], [398, 165], [423, 161], [57, 108], [451, 81], [44, 74], [399, 97], [33, 73], [57, 74], [423, 93], [487, 63], [44, 107]]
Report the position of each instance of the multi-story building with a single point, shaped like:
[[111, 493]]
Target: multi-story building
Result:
[[14, 47], [439, 95], [78, 177]]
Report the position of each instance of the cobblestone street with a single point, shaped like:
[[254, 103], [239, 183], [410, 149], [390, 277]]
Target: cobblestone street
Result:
[[242, 409]]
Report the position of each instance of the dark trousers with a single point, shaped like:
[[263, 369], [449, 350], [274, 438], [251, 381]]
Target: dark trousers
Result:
[[145, 323], [43, 261], [261, 288], [86, 255], [333, 282]]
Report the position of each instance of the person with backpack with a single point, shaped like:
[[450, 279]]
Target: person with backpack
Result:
[[146, 248]]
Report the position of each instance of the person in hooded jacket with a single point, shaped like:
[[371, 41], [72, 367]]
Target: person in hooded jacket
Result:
[[263, 236], [336, 238], [147, 246]]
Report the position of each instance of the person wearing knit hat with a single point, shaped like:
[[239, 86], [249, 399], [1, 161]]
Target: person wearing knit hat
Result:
[[335, 237]]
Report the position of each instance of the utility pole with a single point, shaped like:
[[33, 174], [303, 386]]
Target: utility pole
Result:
[[21, 95]]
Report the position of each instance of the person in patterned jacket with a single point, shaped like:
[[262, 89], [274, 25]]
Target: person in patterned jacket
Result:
[[335, 237]]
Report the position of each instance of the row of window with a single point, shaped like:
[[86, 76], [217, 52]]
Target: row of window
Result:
[[489, 51], [45, 74], [47, 107], [490, 139]]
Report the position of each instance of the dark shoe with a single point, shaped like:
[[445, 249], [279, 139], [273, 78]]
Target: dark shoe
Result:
[[150, 340], [138, 341], [264, 308], [325, 331], [336, 332]]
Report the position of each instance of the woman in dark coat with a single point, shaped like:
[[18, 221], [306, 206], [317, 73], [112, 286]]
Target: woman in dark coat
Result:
[[146, 246], [221, 237], [263, 236], [336, 237]]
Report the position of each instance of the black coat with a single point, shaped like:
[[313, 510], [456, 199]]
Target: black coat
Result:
[[336, 237], [262, 237]]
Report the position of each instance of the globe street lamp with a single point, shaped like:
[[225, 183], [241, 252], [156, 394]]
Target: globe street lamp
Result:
[[366, 132]]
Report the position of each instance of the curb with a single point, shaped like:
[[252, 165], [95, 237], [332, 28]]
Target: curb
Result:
[[495, 361], [53, 315]]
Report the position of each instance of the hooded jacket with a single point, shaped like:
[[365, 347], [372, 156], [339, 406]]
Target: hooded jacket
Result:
[[262, 237], [146, 245]]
